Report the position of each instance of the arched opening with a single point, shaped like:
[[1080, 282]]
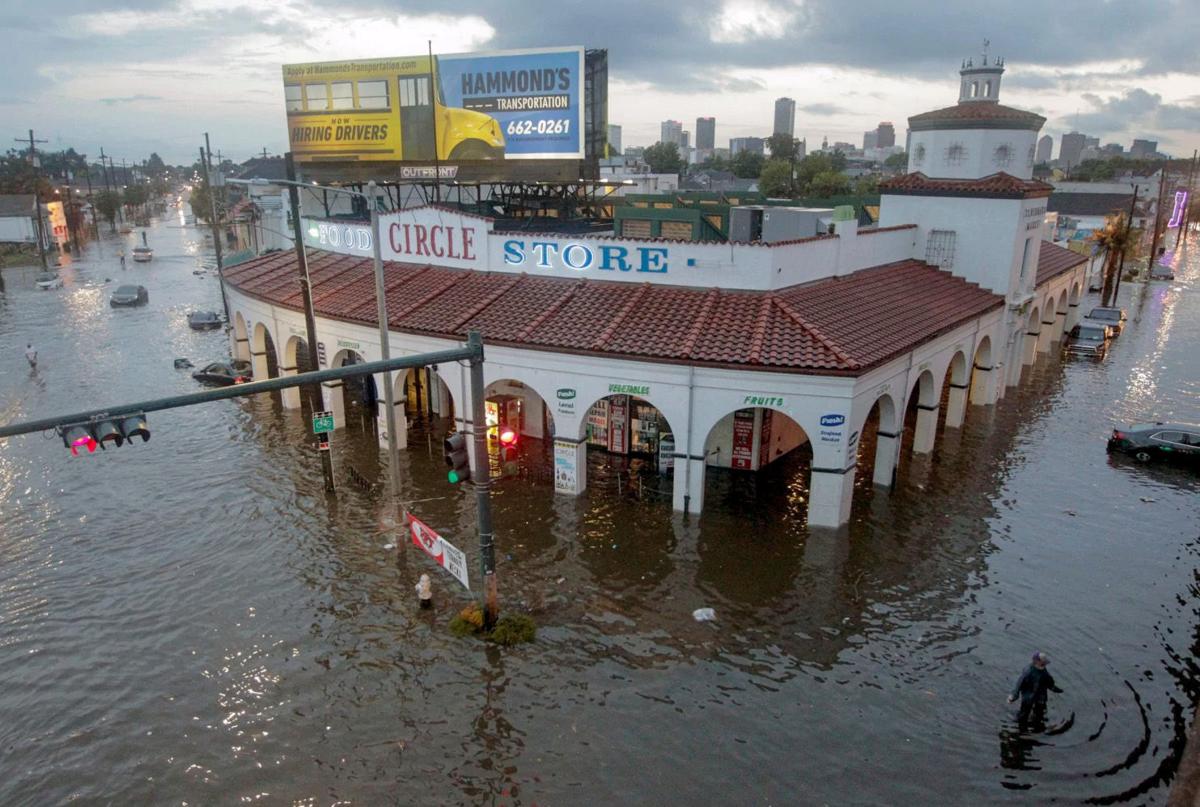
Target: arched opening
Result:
[[982, 372], [759, 460], [241, 341], [263, 357], [1060, 318], [974, 89], [513, 408], [354, 400], [878, 441], [1047, 326], [955, 386], [630, 448], [427, 405], [1033, 325], [296, 359], [921, 414], [1073, 313]]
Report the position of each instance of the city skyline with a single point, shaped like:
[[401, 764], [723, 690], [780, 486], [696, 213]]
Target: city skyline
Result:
[[141, 72]]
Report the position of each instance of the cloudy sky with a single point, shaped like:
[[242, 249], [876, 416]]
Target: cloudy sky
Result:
[[141, 75]]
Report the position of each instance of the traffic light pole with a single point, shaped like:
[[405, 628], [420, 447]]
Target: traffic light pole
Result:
[[384, 349], [473, 352], [481, 475]]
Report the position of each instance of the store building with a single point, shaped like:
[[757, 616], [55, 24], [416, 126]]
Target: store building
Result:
[[698, 355]]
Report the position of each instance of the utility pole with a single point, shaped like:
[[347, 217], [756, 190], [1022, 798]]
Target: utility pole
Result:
[[315, 404], [481, 476], [437, 165], [216, 227], [1187, 206], [1125, 250], [37, 196], [1158, 210], [92, 205], [385, 351]]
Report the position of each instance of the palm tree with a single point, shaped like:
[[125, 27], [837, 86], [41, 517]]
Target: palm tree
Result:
[[1114, 239]]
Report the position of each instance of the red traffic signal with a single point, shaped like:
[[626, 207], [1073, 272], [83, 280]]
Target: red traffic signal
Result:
[[103, 432], [508, 437]]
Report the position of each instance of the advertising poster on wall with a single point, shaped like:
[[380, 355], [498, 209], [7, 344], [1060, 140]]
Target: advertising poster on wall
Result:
[[618, 424], [764, 448], [506, 105], [742, 453], [565, 474]]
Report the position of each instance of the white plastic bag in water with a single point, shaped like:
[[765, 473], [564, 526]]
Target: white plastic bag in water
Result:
[[704, 615]]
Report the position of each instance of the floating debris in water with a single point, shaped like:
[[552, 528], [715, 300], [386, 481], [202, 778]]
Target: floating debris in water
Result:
[[704, 615]]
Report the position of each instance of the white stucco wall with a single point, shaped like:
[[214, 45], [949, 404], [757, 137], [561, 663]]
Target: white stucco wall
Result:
[[979, 152]]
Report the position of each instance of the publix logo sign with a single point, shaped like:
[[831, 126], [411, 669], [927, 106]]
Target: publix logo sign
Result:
[[829, 421], [565, 394], [566, 400]]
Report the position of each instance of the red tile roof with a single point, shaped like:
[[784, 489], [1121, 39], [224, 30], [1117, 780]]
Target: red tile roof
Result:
[[1053, 260], [976, 115], [994, 186], [837, 326]]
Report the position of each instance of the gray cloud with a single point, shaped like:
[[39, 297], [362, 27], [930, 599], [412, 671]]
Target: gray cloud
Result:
[[1134, 112], [822, 109], [129, 99]]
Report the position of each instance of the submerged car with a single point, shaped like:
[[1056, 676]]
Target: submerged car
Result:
[[142, 254], [1113, 316], [1172, 442], [222, 373], [129, 295], [204, 320], [48, 280], [1089, 338]]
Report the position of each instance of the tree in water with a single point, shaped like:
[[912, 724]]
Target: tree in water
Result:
[[1114, 239]]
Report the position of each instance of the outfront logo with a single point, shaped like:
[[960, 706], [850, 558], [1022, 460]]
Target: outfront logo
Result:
[[832, 420]]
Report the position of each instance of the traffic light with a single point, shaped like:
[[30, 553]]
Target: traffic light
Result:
[[455, 449], [104, 431], [508, 445]]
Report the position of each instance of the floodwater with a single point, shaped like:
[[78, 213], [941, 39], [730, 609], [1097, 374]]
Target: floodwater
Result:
[[190, 620]]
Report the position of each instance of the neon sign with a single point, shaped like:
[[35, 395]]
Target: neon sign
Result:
[[1181, 198]]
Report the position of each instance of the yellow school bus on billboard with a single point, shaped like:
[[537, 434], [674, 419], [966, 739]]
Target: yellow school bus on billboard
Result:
[[381, 109]]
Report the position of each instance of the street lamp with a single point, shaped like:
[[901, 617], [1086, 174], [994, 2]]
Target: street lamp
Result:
[[381, 300]]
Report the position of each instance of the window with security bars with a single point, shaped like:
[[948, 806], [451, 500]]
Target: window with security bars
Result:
[[956, 154], [939, 248]]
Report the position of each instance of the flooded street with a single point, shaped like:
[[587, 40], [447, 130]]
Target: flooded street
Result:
[[190, 620]]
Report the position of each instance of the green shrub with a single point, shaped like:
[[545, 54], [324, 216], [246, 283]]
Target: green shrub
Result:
[[513, 629]]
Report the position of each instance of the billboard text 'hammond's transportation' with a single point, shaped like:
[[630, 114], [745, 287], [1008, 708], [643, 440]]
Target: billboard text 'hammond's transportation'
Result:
[[516, 105]]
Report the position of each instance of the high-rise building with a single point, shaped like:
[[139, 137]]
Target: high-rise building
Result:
[[885, 135], [785, 117], [1044, 147], [739, 144], [1091, 142], [614, 138], [1143, 148], [671, 132], [871, 139], [685, 141], [1070, 147], [706, 133]]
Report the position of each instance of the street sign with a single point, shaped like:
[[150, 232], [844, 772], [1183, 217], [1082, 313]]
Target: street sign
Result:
[[444, 553], [323, 442], [322, 422]]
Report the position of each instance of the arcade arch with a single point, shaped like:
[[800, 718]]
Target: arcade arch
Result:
[[262, 354], [353, 401], [776, 451], [982, 371], [241, 342], [921, 413], [295, 360], [1033, 325]]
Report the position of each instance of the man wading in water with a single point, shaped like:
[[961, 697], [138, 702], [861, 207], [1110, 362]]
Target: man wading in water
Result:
[[1031, 688]]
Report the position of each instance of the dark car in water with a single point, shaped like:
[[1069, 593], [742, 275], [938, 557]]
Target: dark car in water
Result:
[[129, 295], [1113, 316], [1089, 338], [222, 373], [1171, 442], [204, 320]]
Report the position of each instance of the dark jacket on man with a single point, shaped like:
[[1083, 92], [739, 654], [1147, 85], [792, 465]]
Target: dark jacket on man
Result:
[[1033, 685]]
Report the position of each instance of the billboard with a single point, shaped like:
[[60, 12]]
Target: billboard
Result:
[[508, 105]]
